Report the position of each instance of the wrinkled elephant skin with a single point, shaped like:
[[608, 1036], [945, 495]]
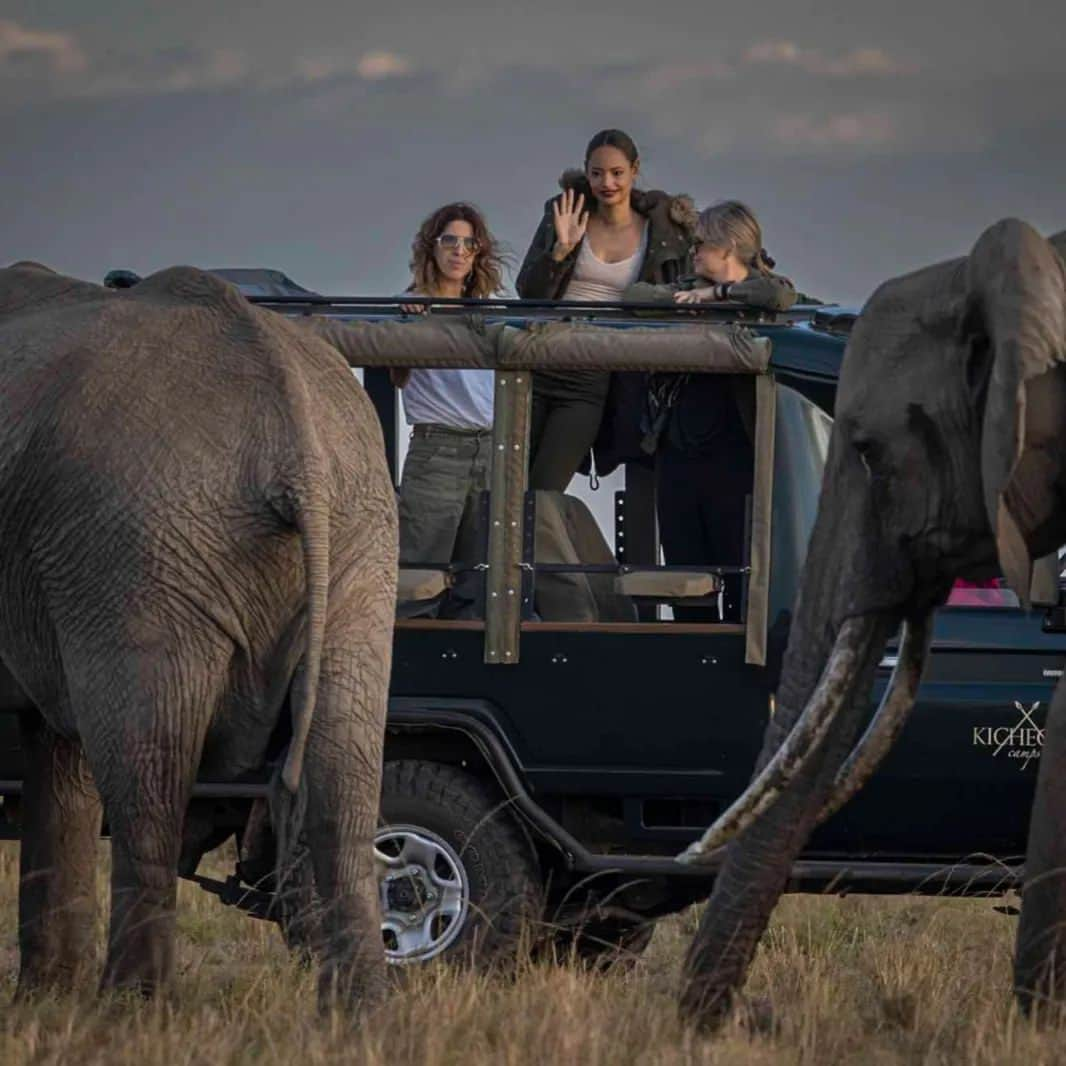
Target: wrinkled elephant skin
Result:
[[198, 530], [946, 461]]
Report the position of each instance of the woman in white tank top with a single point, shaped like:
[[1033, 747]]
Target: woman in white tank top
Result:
[[595, 240]]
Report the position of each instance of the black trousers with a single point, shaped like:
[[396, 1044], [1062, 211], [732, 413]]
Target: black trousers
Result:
[[701, 502], [565, 418]]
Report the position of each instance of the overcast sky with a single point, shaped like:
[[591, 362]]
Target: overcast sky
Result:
[[313, 135]]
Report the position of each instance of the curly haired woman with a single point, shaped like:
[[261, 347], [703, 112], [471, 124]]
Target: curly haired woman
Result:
[[449, 460]]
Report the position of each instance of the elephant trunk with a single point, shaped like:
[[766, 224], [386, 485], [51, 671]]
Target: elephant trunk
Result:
[[756, 867]]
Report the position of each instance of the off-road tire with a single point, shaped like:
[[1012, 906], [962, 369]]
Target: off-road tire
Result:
[[500, 863]]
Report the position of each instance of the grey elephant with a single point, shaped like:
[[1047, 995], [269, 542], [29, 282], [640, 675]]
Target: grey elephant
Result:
[[946, 461], [197, 536]]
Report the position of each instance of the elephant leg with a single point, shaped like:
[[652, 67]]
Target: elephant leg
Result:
[[145, 772], [1040, 954], [342, 776], [757, 864], [60, 828]]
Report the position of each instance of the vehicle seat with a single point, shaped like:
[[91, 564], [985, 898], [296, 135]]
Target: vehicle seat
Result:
[[663, 585], [419, 591], [566, 533]]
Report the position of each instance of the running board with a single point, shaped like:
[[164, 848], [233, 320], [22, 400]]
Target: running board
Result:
[[838, 877]]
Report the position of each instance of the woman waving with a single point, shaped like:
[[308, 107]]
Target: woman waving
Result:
[[600, 236]]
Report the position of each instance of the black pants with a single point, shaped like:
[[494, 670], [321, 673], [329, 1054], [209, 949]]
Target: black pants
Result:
[[565, 418], [702, 502]]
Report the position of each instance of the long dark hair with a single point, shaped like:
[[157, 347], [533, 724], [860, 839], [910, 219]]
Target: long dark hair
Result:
[[486, 273], [613, 139]]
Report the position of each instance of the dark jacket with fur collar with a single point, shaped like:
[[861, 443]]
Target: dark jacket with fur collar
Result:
[[671, 224]]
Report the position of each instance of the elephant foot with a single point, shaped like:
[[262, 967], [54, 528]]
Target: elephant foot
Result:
[[1040, 969], [35, 982], [357, 990], [135, 987], [757, 1016], [706, 1009], [141, 962], [1042, 1002]]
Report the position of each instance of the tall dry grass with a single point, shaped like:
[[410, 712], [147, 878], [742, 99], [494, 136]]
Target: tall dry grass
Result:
[[855, 980]]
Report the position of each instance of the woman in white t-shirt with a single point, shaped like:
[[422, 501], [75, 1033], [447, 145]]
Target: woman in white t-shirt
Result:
[[449, 460]]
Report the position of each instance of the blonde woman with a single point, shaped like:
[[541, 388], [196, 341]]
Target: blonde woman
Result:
[[729, 264], [703, 422]]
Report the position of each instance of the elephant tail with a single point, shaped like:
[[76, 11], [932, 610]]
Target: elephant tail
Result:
[[308, 508], [313, 523]]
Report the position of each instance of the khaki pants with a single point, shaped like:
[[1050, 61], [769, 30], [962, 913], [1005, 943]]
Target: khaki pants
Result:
[[443, 475]]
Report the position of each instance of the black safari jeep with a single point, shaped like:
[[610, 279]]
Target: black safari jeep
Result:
[[551, 756]]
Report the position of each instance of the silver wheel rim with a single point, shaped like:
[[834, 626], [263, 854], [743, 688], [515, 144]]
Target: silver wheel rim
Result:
[[424, 892]]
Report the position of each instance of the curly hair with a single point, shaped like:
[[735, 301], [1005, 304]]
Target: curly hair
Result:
[[486, 275]]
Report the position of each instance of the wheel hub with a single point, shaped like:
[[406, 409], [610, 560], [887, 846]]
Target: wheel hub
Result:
[[424, 892]]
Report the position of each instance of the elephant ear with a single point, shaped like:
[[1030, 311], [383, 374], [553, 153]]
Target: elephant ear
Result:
[[1017, 279]]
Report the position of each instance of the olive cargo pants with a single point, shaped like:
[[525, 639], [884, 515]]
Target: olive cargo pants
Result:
[[444, 474]]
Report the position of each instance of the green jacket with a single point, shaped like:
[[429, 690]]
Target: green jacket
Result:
[[770, 292], [671, 224]]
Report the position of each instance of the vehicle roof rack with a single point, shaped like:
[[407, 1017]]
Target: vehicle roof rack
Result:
[[834, 319], [513, 307]]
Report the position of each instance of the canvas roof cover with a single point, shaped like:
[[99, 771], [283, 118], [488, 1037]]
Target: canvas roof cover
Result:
[[469, 341]]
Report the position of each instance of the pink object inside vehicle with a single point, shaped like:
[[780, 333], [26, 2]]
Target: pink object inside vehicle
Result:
[[990, 593]]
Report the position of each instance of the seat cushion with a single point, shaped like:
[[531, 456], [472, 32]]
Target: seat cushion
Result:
[[420, 585], [667, 584]]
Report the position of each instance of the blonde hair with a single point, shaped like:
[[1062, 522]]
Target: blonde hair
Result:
[[731, 224], [486, 269]]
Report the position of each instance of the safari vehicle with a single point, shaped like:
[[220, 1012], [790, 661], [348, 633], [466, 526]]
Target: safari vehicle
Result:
[[547, 765]]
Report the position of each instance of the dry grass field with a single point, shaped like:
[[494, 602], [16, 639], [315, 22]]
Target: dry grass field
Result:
[[855, 980]]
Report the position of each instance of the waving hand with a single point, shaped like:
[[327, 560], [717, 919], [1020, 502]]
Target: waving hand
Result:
[[571, 221]]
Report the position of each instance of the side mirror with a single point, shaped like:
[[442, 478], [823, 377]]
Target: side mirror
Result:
[[121, 279]]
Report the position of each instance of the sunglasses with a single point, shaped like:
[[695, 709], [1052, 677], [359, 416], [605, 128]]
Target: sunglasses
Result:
[[452, 242]]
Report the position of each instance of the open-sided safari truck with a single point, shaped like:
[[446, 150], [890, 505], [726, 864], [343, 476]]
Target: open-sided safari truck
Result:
[[548, 757]]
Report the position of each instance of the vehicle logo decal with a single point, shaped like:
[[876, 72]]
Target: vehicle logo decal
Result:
[[1022, 741], [1052, 673]]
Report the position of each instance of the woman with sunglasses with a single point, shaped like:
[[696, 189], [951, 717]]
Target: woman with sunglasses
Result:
[[450, 411], [594, 241]]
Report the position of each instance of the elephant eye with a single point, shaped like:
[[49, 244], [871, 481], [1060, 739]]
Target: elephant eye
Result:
[[867, 451]]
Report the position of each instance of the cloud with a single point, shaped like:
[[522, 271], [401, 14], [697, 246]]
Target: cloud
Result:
[[374, 66], [178, 69], [773, 52], [862, 61], [859, 62], [664, 79], [30, 51], [36, 63], [831, 131], [379, 65], [775, 99]]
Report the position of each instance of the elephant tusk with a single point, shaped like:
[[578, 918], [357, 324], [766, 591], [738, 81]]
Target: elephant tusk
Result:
[[892, 714], [801, 742]]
